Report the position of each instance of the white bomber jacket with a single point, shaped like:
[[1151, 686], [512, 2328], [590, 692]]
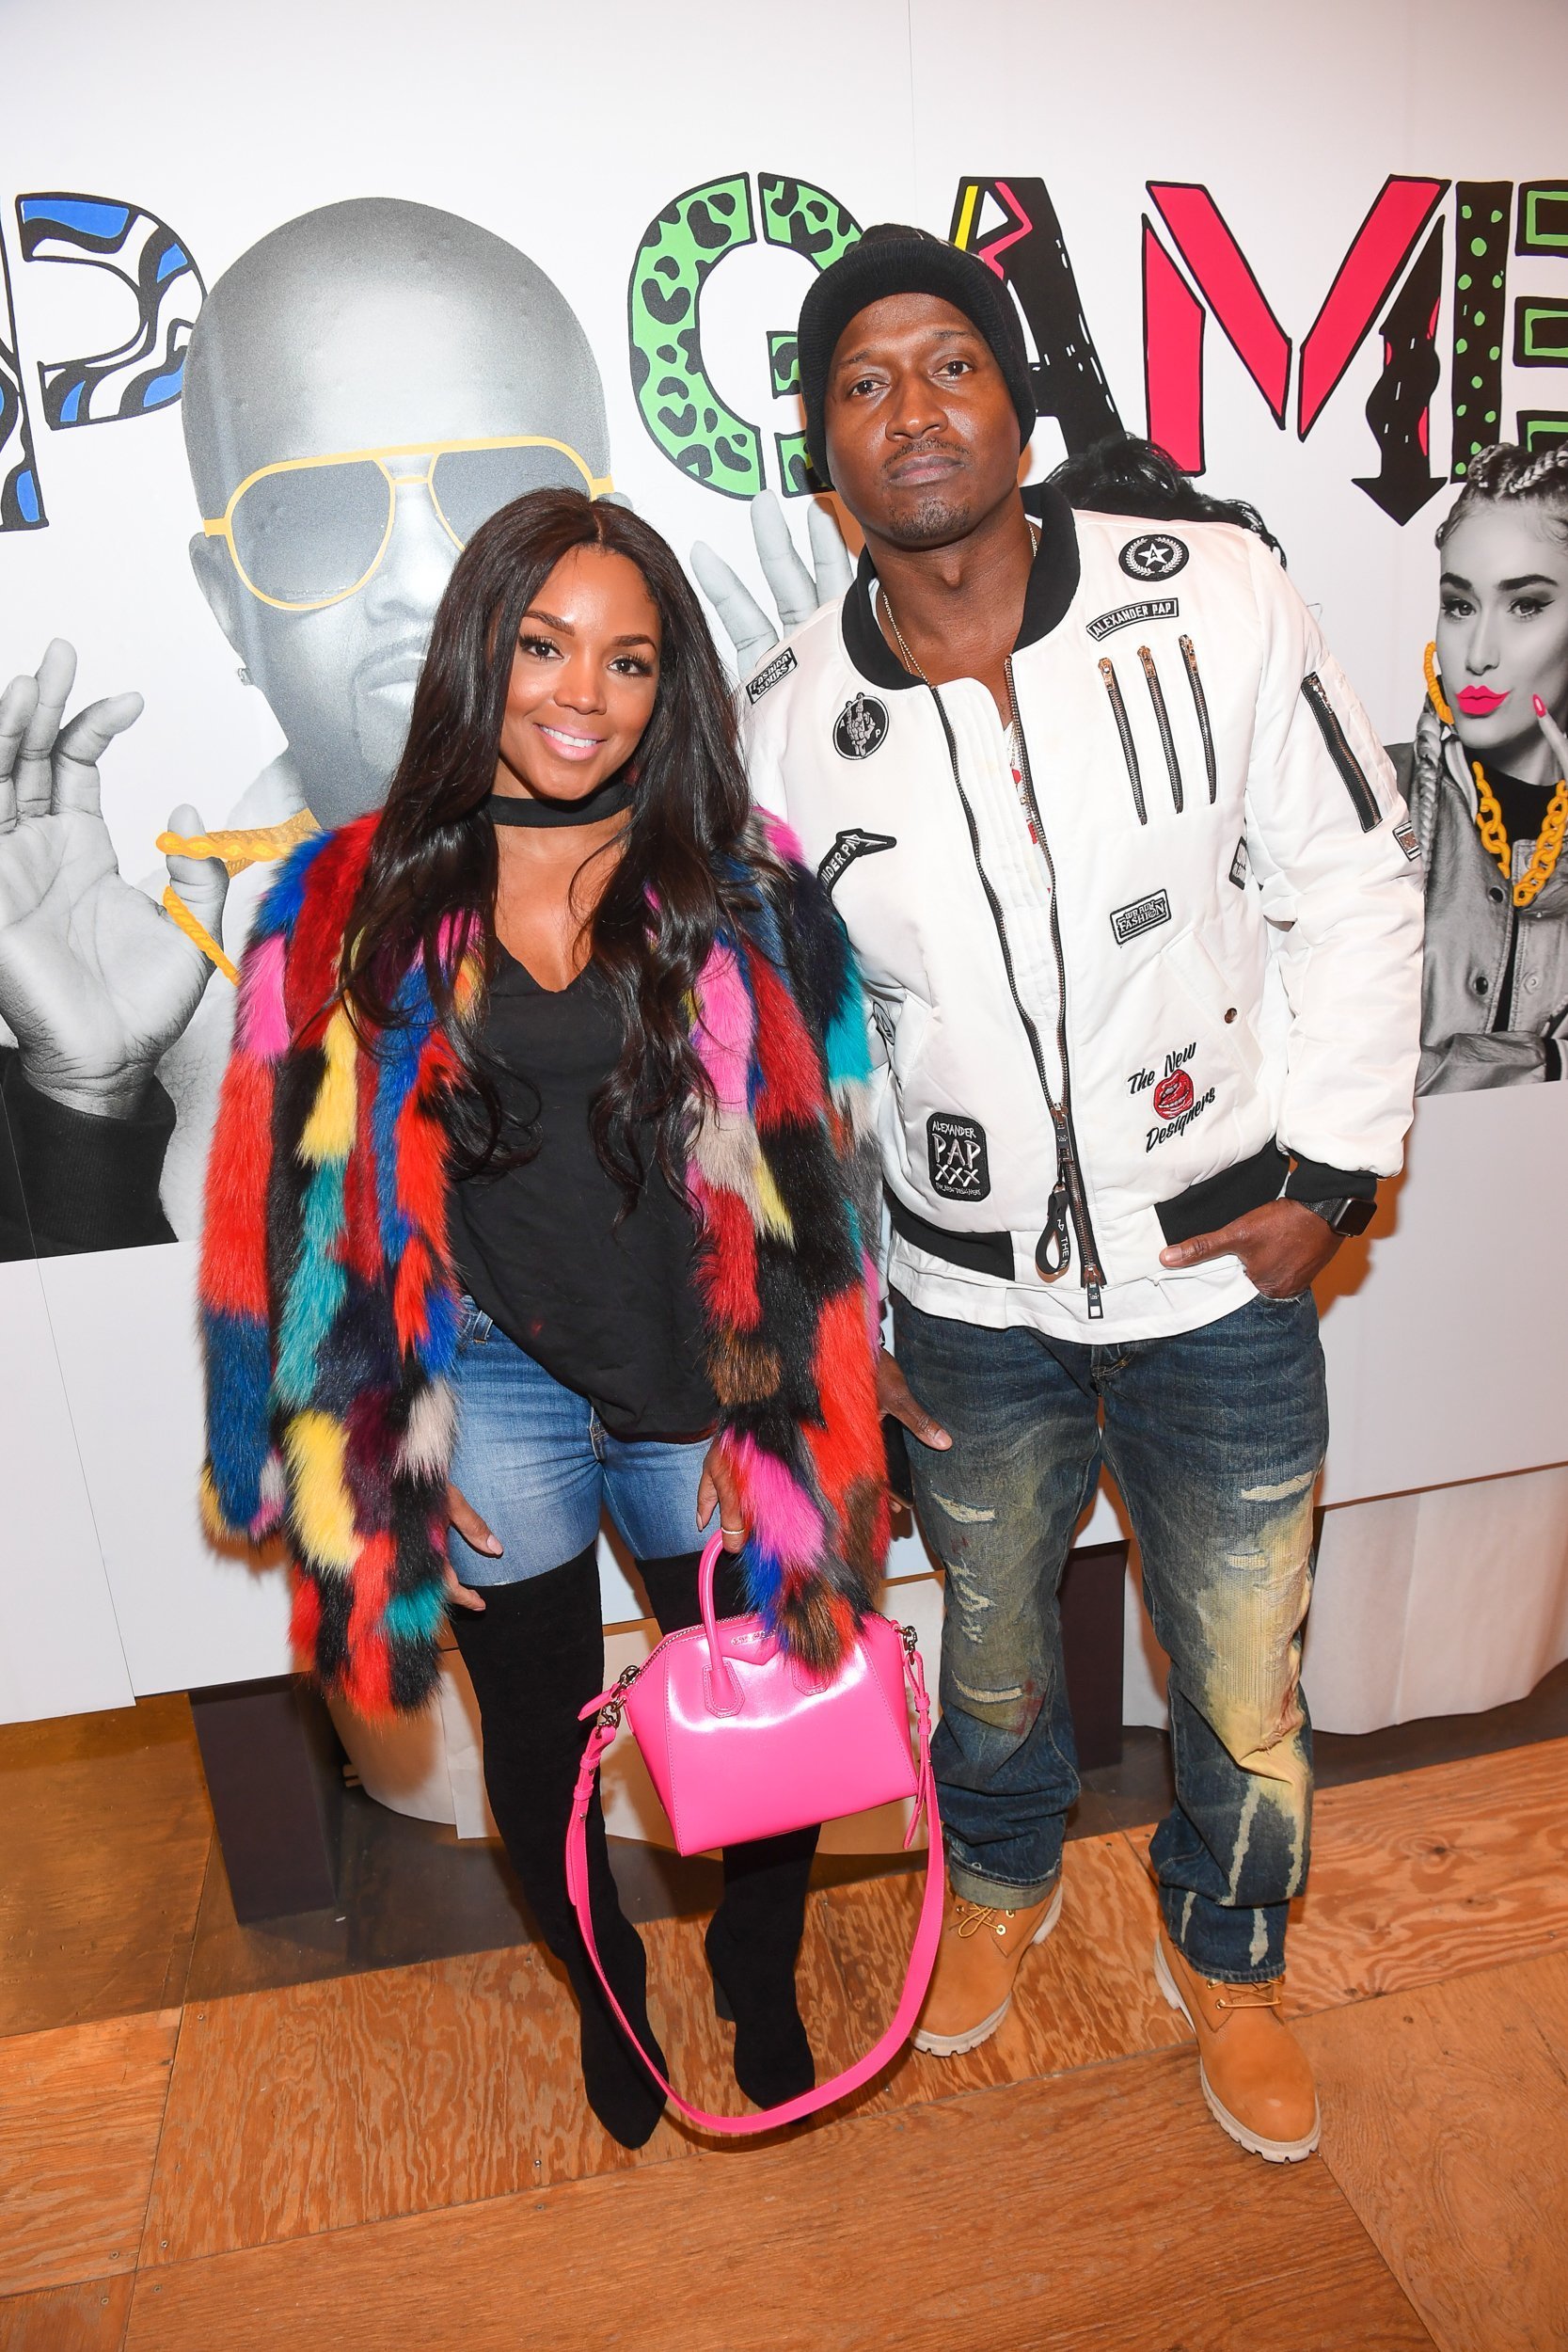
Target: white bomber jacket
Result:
[[1109, 1037]]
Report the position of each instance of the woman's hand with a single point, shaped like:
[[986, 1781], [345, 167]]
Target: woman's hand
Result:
[[721, 1488], [895, 1401], [1557, 742], [461, 1511]]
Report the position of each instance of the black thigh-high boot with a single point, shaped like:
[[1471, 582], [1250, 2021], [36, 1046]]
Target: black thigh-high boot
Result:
[[753, 1938], [535, 1657]]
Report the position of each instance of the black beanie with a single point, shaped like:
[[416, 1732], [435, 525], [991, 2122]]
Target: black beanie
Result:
[[889, 260]]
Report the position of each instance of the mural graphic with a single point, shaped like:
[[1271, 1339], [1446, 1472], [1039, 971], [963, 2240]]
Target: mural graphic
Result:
[[362, 388], [21, 502], [688, 420], [1484, 778], [1011, 226], [372, 379], [145, 372], [1174, 318]]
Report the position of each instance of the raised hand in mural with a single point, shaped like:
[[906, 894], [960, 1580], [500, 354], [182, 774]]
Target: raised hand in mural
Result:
[[797, 592], [96, 982]]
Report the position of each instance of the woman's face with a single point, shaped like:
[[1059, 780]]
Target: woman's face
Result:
[[584, 678], [1502, 634]]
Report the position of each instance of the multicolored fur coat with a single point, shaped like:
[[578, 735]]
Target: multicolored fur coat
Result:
[[330, 1303]]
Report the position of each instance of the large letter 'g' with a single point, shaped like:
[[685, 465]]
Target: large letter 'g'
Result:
[[692, 424]]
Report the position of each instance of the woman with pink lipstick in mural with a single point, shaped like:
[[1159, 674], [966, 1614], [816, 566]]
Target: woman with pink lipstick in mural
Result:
[[1484, 780]]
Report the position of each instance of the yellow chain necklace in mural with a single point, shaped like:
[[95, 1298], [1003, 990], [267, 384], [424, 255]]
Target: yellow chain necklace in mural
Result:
[[1489, 816], [1494, 839]]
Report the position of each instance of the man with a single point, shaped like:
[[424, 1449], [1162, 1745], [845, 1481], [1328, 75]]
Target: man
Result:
[[363, 386], [1135, 901]]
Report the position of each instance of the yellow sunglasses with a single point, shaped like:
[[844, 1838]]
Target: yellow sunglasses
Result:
[[308, 531]]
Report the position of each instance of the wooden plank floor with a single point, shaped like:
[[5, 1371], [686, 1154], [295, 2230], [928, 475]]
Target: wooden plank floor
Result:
[[1446, 2124], [80, 2112], [1053, 2215], [107, 1830], [1429, 1874], [380, 2144], [87, 2318]]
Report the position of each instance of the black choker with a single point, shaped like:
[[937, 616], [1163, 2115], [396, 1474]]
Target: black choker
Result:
[[606, 800]]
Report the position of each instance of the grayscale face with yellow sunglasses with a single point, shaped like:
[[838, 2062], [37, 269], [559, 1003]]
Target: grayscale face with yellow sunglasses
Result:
[[364, 387]]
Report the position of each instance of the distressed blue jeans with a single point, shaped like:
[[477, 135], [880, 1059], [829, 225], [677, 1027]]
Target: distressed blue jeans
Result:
[[1215, 1438]]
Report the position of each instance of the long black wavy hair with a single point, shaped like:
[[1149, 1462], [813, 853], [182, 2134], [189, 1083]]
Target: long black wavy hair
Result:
[[1121, 474], [433, 870]]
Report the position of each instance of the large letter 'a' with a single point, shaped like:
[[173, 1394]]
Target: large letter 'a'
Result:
[[1011, 226]]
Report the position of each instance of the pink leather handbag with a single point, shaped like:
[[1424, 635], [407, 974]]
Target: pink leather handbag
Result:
[[741, 1742]]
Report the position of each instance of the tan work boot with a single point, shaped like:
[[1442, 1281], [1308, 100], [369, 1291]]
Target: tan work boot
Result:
[[977, 1961], [1252, 2069]]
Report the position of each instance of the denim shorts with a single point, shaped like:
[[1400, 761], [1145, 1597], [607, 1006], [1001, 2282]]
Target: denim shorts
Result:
[[540, 1467]]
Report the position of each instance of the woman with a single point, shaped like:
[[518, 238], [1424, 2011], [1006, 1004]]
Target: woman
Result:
[[546, 1099], [1484, 780]]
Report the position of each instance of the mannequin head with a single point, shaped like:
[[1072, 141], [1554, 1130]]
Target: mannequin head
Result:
[[373, 326]]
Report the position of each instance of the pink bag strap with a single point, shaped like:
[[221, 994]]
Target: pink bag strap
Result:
[[921, 1955]]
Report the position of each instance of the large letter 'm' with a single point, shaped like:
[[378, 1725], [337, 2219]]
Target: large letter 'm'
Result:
[[1173, 341]]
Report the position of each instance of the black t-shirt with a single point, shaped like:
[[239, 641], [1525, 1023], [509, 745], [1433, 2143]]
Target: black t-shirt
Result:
[[608, 1309], [1524, 806]]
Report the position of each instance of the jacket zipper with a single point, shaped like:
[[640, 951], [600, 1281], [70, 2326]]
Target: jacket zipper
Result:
[[1362, 798], [1055, 1241], [1161, 719], [1201, 705], [1067, 1191], [1129, 749]]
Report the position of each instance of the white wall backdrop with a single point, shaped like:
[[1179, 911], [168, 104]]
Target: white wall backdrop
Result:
[[567, 136]]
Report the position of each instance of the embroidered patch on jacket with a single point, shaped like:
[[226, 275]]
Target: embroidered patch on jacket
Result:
[[957, 1150], [770, 675], [1238, 865], [1123, 615], [1153, 555], [861, 727], [1173, 1095], [847, 847], [1144, 915], [1173, 1098], [1405, 837]]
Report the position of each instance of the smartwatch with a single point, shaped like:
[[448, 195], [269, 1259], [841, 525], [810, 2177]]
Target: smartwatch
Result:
[[1345, 1216]]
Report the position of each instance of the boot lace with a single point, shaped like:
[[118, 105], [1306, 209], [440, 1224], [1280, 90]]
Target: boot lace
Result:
[[974, 1918], [1268, 1996]]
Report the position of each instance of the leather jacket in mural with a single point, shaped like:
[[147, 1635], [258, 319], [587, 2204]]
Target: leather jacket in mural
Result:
[[1468, 1039]]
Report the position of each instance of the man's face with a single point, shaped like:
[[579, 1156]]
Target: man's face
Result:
[[362, 334], [923, 439]]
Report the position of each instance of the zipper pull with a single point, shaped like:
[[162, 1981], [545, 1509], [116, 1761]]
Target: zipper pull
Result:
[[1097, 1309], [1054, 1249]]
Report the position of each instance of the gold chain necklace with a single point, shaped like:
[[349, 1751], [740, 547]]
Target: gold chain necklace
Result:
[[904, 656], [1495, 841], [907, 657], [1489, 816]]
